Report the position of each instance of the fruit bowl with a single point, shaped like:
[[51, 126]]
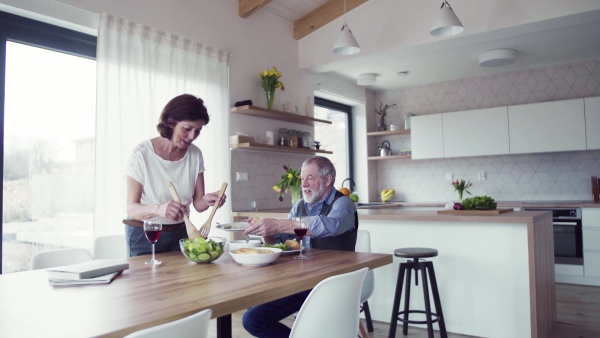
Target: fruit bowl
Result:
[[203, 250]]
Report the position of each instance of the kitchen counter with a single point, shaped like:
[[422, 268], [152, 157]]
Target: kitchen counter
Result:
[[495, 273], [501, 204]]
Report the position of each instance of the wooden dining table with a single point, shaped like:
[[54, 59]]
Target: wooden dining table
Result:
[[144, 296]]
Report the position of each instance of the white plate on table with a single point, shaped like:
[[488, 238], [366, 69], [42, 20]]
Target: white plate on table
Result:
[[291, 252], [237, 226]]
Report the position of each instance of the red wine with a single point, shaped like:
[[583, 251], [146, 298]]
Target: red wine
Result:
[[300, 232], [153, 235]]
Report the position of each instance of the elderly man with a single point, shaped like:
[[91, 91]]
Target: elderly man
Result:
[[332, 223]]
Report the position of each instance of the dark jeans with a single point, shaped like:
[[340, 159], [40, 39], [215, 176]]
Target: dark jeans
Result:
[[139, 244], [264, 320]]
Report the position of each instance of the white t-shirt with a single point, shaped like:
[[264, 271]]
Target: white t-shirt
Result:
[[153, 173]]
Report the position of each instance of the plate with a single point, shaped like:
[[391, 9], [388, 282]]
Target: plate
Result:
[[290, 252], [237, 226]]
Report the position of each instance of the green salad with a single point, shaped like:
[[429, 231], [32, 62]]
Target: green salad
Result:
[[202, 250], [479, 203], [281, 246]]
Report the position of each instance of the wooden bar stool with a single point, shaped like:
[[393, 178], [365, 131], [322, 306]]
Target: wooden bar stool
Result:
[[427, 274]]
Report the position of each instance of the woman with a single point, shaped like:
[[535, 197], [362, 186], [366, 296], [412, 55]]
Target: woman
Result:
[[169, 158]]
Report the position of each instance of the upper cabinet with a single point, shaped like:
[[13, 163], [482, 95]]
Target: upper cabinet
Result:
[[476, 132], [427, 136], [592, 122], [546, 127]]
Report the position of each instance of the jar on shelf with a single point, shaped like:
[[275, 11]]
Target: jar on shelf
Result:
[[300, 136], [283, 137], [293, 138], [307, 139]]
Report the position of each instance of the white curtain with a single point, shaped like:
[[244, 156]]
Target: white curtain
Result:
[[139, 70]]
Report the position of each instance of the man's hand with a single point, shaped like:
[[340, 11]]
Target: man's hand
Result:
[[267, 227]]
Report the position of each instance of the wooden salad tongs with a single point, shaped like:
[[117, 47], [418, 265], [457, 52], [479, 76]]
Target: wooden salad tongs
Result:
[[192, 232], [205, 229]]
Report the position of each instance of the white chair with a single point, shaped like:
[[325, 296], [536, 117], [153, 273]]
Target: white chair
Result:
[[195, 326], [363, 244], [332, 308], [110, 247], [52, 258]]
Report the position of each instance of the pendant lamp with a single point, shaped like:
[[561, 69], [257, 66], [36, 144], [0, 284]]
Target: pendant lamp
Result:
[[345, 44], [446, 23]]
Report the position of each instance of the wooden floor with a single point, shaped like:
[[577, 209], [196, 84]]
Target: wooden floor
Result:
[[577, 308]]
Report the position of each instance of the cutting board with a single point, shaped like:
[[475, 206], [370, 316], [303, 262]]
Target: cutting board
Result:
[[473, 212]]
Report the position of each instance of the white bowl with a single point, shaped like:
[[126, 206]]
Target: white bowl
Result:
[[256, 259], [234, 245]]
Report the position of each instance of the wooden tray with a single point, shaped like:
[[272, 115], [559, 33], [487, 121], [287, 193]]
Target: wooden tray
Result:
[[473, 212]]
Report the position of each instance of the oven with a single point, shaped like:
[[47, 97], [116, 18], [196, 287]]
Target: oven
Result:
[[568, 235]]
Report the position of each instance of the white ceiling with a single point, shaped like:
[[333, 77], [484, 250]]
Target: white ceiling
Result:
[[555, 41]]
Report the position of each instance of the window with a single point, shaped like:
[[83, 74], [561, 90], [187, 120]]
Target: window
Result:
[[336, 137], [47, 104]]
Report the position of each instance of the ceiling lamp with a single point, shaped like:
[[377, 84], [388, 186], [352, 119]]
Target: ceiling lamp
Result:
[[346, 44], [497, 57], [446, 23], [366, 79]]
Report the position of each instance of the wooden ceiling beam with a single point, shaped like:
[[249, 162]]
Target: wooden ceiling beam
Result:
[[322, 16], [247, 7]]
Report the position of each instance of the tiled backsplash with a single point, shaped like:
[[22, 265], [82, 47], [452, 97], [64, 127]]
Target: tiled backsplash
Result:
[[535, 177], [264, 171]]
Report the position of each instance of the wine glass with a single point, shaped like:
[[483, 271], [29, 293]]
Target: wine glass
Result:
[[300, 229], [152, 230]]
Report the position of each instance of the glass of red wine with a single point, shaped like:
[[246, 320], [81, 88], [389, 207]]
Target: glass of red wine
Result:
[[300, 229], [152, 230]]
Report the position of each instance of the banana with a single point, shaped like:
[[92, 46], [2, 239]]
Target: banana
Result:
[[387, 195]]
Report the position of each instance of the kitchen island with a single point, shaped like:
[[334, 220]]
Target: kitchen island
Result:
[[495, 273]]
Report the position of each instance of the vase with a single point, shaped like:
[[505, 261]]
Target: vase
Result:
[[295, 194], [460, 196], [270, 97], [382, 124]]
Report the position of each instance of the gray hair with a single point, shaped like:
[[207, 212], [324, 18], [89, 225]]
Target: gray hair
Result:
[[324, 166]]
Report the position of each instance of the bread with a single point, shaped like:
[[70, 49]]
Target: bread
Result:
[[251, 251], [293, 244]]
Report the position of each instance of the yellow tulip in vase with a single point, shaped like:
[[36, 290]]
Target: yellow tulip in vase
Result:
[[290, 182], [269, 79]]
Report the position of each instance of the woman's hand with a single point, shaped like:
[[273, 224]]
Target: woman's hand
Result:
[[211, 198], [173, 210]]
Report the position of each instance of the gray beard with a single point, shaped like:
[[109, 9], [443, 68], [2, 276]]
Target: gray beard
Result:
[[316, 197]]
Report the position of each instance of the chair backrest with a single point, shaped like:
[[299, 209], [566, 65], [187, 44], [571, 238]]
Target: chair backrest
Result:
[[195, 326], [363, 244], [332, 308], [52, 258], [110, 247]]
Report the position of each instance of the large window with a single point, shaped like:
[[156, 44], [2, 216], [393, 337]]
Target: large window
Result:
[[47, 106], [336, 137]]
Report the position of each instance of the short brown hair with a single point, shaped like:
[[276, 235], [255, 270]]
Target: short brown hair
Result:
[[184, 107]]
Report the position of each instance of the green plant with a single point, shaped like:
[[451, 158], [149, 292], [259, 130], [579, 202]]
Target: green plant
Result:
[[461, 186], [290, 181]]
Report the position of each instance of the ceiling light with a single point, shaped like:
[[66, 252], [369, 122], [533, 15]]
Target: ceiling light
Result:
[[345, 44], [402, 73], [446, 23], [497, 57], [366, 79]]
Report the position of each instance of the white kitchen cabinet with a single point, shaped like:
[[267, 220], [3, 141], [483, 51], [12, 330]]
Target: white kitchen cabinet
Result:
[[427, 136], [590, 219], [592, 122], [547, 127], [476, 132]]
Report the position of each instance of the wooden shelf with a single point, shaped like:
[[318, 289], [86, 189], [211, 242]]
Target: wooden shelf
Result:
[[277, 115], [283, 149], [393, 157], [389, 132]]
